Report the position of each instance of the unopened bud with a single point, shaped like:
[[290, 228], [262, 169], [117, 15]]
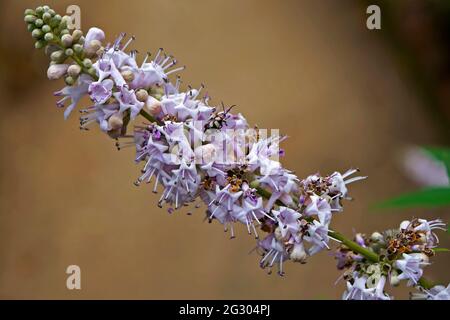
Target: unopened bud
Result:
[[127, 75], [46, 28], [87, 63], [142, 95], [37, 33], [30, 18], [299, 254], [39, 23], [39, 10], [153, 106], [39, 44], [77, 34], [48, 36], [92, 47], [115, 121], [64, 31], [68, 52], [69, 80], [77, 48], [57, 55], [66, 40], [46, 16], [56, 71], [74, 70], [376, 237], [29, 12]]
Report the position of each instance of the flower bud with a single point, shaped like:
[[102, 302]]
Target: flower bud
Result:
[[95, 34], [69, 80], [68, 52], [64, 31], [38, 23], [46, 16], [56, 71], [37, 33], [39, 44], [278, 235], [39, 10], [46, 28], [142, 95], [66, 40], [393, 279], [91, 48], [57, 55], [31, 27], [74, 70], [299, 254], [77, 34], [29, 12], [404, 225], [48, 36], [77, 48], [30, 19], [127, 75], [153, 106], [87, 63], [115, 121]]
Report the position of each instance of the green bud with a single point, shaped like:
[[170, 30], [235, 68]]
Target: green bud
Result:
[[48, 36], [38, 23], [66, 40], [87, 63], [77, 34], [46, 17], [39, 10], [46, 28], [74, 70], [31, 27], [39, 44], [52, 12], [29, 12], [64, 31], [57, 55], [68, 52], [46, 8], [54, 22], [78, 48], [29, 18], [69, 80], [36, 33]]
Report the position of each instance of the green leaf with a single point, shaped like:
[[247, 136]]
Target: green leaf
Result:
[[440, 154], [426, 198]]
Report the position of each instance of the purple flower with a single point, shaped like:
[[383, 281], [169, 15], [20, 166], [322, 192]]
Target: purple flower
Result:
[[128, 101], [411, 267], [100, 92], [74, 93], [288, 221]]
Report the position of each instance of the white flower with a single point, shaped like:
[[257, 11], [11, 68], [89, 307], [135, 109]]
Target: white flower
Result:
[[411, 266], [435, 293]]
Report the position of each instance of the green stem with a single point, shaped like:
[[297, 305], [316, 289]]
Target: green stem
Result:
[[368, 254]]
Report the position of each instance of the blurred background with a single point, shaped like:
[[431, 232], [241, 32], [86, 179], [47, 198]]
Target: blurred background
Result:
[[345, 95]]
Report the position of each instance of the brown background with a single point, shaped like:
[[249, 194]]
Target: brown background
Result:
[[310, 68]]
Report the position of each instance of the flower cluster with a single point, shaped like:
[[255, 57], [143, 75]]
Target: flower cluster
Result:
[[402, 252], [194, 153]]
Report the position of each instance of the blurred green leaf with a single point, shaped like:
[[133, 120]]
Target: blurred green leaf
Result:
[[440, 154], [429, 197]]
